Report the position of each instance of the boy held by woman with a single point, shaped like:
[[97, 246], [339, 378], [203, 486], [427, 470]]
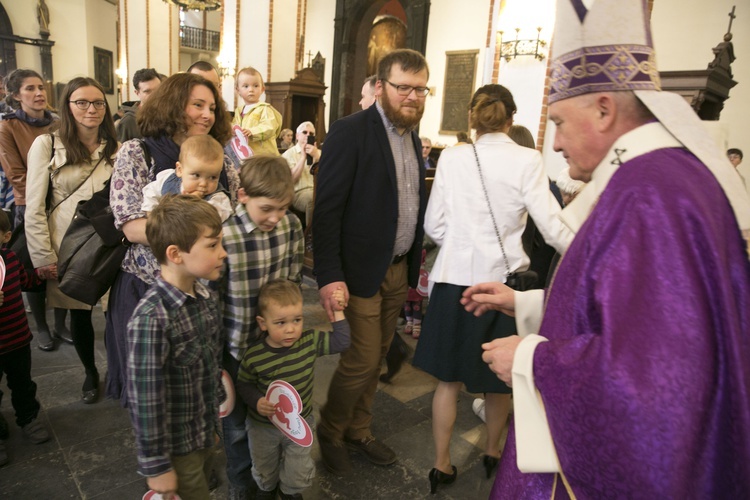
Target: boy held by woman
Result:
[[197, 173]]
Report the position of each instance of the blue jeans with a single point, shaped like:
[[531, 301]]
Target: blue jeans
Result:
[[236, 440]]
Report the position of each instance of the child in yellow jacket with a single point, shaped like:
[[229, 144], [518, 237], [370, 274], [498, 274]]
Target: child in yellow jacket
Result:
[[260, 121]]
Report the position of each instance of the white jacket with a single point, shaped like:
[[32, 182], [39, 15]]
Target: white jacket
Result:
[[459, 221], [44, 234]]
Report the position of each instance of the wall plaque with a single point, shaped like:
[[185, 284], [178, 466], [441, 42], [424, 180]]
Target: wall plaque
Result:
[[460, 73]]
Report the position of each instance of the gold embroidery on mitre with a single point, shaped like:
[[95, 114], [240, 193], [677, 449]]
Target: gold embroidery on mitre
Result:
[[602, 68]]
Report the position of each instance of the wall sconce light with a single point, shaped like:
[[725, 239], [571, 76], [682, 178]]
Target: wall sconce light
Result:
[[122, 75], [514, 48], [225, 66]]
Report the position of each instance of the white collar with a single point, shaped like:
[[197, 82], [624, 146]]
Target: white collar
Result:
[[494, 137], [637, 142]]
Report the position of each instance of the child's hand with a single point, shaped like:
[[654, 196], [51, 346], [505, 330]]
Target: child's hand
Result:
[[164, 484], [48, 272], [246, 132], [265, 407], [339, 298], [197, 193]]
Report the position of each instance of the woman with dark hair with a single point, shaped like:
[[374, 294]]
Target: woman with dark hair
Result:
[[476, 215], [70, 165], [26, 94], [184, 105]]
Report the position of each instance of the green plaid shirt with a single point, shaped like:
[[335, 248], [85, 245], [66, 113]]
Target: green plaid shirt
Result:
[[255, 257], [174, 372]]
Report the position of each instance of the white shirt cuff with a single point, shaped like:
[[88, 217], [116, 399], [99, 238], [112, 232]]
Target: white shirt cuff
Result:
[[529, 309], [535, 450]]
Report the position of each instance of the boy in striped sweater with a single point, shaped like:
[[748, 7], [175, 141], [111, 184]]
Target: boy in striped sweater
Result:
[[15, 346], [283, 352]]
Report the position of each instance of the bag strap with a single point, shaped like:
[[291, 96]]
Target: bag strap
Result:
[[48, 198], [146, 152], [77, 187], [492, 214]]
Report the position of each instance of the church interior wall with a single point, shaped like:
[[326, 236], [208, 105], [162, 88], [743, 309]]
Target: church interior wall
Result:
[[22, 17], [163, 42], [319, 27], [684, 33], [98, 14], [525, 76], [283, 61], [253, 36], [449, 31]]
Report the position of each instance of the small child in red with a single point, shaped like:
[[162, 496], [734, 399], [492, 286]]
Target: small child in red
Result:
[[15, 346]]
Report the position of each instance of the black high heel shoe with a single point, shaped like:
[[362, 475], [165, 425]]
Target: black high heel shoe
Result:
[[90, 395], [440, 477], [490, 464]]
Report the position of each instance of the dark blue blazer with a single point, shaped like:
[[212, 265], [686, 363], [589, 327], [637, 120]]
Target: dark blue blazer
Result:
[[356, 206]]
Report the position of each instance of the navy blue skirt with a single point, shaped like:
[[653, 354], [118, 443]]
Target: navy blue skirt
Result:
[[450, 346]]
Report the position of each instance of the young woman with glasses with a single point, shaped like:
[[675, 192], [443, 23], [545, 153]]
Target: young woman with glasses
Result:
[[69, 165]]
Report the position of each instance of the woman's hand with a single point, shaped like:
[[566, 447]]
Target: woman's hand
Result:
[[48, 272], [489, 296], [135, 231]]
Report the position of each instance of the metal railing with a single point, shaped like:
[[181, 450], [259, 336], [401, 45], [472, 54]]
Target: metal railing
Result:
[[196, 38]]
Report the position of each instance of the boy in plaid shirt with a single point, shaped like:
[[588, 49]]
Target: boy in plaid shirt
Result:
[[174, 350]]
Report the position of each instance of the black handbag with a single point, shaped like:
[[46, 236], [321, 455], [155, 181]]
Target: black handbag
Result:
[[519, 280], [91, 251], [18, 245]]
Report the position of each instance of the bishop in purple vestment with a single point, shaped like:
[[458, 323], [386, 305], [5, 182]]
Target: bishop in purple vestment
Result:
[[640, 368]]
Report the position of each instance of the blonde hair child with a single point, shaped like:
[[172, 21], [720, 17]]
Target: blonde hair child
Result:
[[260, 121]]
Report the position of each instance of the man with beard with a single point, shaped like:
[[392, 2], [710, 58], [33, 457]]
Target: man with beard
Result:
[[369, 211]]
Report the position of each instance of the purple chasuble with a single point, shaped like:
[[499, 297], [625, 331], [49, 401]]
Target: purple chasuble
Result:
[[646, 374]]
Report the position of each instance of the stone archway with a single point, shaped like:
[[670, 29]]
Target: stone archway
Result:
[[7, 44], [352, 26]]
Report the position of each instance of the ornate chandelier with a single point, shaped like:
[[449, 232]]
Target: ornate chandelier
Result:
[[196, 4]]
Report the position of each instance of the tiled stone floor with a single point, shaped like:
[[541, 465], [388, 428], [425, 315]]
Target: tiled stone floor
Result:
[[92, 454]]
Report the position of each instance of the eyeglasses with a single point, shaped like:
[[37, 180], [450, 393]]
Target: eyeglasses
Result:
[[405, 90], [306, 132], [85, 104]]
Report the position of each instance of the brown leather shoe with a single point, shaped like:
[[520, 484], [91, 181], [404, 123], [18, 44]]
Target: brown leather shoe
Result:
[[376, 451], [335, 456]]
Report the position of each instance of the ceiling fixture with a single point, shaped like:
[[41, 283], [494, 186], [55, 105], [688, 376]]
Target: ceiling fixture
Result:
[[196, 4]]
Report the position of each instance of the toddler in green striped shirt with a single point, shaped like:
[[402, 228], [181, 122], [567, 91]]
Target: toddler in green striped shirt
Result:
[[284, 352]]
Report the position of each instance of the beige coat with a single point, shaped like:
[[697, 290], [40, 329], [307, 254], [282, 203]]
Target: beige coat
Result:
[[44, 232]]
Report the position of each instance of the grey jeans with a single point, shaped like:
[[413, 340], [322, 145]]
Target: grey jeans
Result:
[[277, 458]]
